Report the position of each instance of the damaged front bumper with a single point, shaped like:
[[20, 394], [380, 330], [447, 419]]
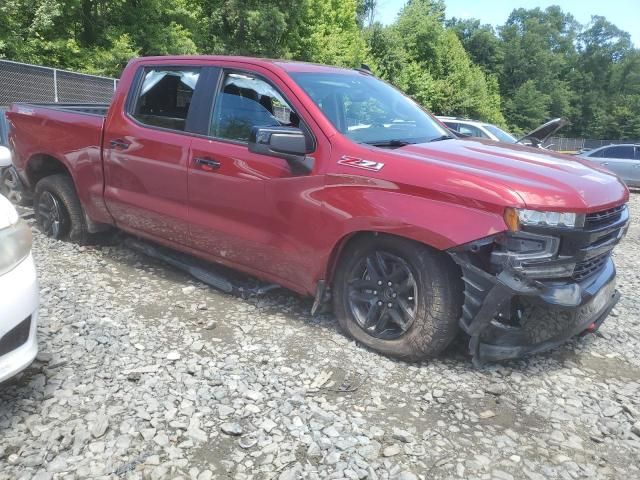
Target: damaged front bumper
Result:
[[556, 313], [512, 309]]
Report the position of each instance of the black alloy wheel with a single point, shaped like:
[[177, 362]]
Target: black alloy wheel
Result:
[[397, 296], [51, 217], [383, 295], [58, 210]]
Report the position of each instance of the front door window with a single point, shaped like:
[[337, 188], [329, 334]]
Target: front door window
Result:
[[247, 101]]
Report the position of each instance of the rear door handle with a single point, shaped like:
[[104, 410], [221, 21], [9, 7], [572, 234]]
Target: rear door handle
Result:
[[604, 163], [207, 164], [120, 144]]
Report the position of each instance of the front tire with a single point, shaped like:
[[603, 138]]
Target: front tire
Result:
[[58, 211], [398, 297]]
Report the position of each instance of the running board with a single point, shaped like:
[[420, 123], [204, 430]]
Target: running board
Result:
[[193, 267]]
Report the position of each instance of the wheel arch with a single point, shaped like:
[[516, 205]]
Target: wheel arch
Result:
[[41, 165], [342, 243]]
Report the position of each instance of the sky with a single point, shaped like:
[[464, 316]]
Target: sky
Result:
[[625, 14]]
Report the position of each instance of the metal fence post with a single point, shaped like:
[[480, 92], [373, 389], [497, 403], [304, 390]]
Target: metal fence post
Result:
[[55, 85], [115, 84]]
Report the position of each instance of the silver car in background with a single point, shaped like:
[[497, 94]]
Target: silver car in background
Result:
[[623, 160]]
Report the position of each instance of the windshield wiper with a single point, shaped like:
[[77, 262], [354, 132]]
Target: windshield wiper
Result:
[[441, 137], [390, 143]]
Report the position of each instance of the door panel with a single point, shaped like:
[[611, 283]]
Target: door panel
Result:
[[146, 185], [146, 155], [252, 213], [248, 210], [622, 168]]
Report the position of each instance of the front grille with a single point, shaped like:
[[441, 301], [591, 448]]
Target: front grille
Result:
[[15, 337], [602, 232], [588, 267], [604, 217]]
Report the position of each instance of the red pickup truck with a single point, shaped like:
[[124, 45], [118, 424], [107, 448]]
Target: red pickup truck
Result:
[[332, 183]]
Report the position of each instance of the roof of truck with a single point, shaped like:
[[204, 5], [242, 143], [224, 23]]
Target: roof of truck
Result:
[[287, 65]]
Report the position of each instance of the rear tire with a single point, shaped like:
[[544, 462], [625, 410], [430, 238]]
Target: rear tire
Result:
[[398, 297], [58, 211]]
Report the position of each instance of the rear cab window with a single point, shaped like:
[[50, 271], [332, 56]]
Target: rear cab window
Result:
[[164, 96]]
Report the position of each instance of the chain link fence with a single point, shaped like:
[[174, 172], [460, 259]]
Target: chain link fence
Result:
[[20, 82], [561, 144]]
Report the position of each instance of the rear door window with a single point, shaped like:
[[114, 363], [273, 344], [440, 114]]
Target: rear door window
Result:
[[621, 152], [246, 101], [164, 97], [470, 130]]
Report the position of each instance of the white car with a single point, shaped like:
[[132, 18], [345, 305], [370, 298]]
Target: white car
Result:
[[473, 128], [19, 293]]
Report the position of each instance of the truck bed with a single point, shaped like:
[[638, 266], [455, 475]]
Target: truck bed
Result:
[[99, 109], [70, 133]]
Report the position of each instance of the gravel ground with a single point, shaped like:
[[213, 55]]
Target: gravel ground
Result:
[[146, 373]]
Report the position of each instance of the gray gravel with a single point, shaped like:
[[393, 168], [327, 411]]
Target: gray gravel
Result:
[[146, 373]]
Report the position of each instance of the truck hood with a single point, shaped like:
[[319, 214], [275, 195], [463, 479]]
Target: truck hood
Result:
[[543, 179], [539, 135]]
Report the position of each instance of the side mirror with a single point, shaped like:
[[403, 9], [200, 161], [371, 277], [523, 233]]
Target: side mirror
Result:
[[5, 157], [289, 143]]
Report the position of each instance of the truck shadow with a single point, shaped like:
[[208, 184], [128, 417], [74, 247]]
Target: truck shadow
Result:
[[280, 301]]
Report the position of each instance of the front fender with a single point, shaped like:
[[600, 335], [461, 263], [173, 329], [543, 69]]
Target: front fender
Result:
[[439, 222]]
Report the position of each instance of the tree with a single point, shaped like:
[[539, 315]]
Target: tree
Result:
[[480, 41], [329, 33], [423, 58]]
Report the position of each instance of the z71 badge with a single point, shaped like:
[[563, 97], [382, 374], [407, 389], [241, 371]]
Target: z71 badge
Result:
[[360, 163]]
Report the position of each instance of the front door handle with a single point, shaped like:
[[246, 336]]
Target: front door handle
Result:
[[207, 164], [604, 163], [120, 144]]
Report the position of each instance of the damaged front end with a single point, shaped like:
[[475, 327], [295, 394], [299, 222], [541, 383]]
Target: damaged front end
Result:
[[540, 283]]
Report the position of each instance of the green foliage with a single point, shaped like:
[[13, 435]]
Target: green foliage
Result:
[[329, 33], [539, 65], [429, 62]]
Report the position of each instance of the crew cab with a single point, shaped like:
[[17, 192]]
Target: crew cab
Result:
[[332, 183]]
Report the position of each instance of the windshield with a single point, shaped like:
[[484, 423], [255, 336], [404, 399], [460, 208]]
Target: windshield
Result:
[[500, 134], [368, 110]]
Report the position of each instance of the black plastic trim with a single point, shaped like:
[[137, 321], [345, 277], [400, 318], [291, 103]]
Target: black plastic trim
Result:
[[16, 337]]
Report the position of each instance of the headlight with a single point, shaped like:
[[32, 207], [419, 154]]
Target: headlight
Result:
[[514, 217], [531, 254], [15, 245]]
